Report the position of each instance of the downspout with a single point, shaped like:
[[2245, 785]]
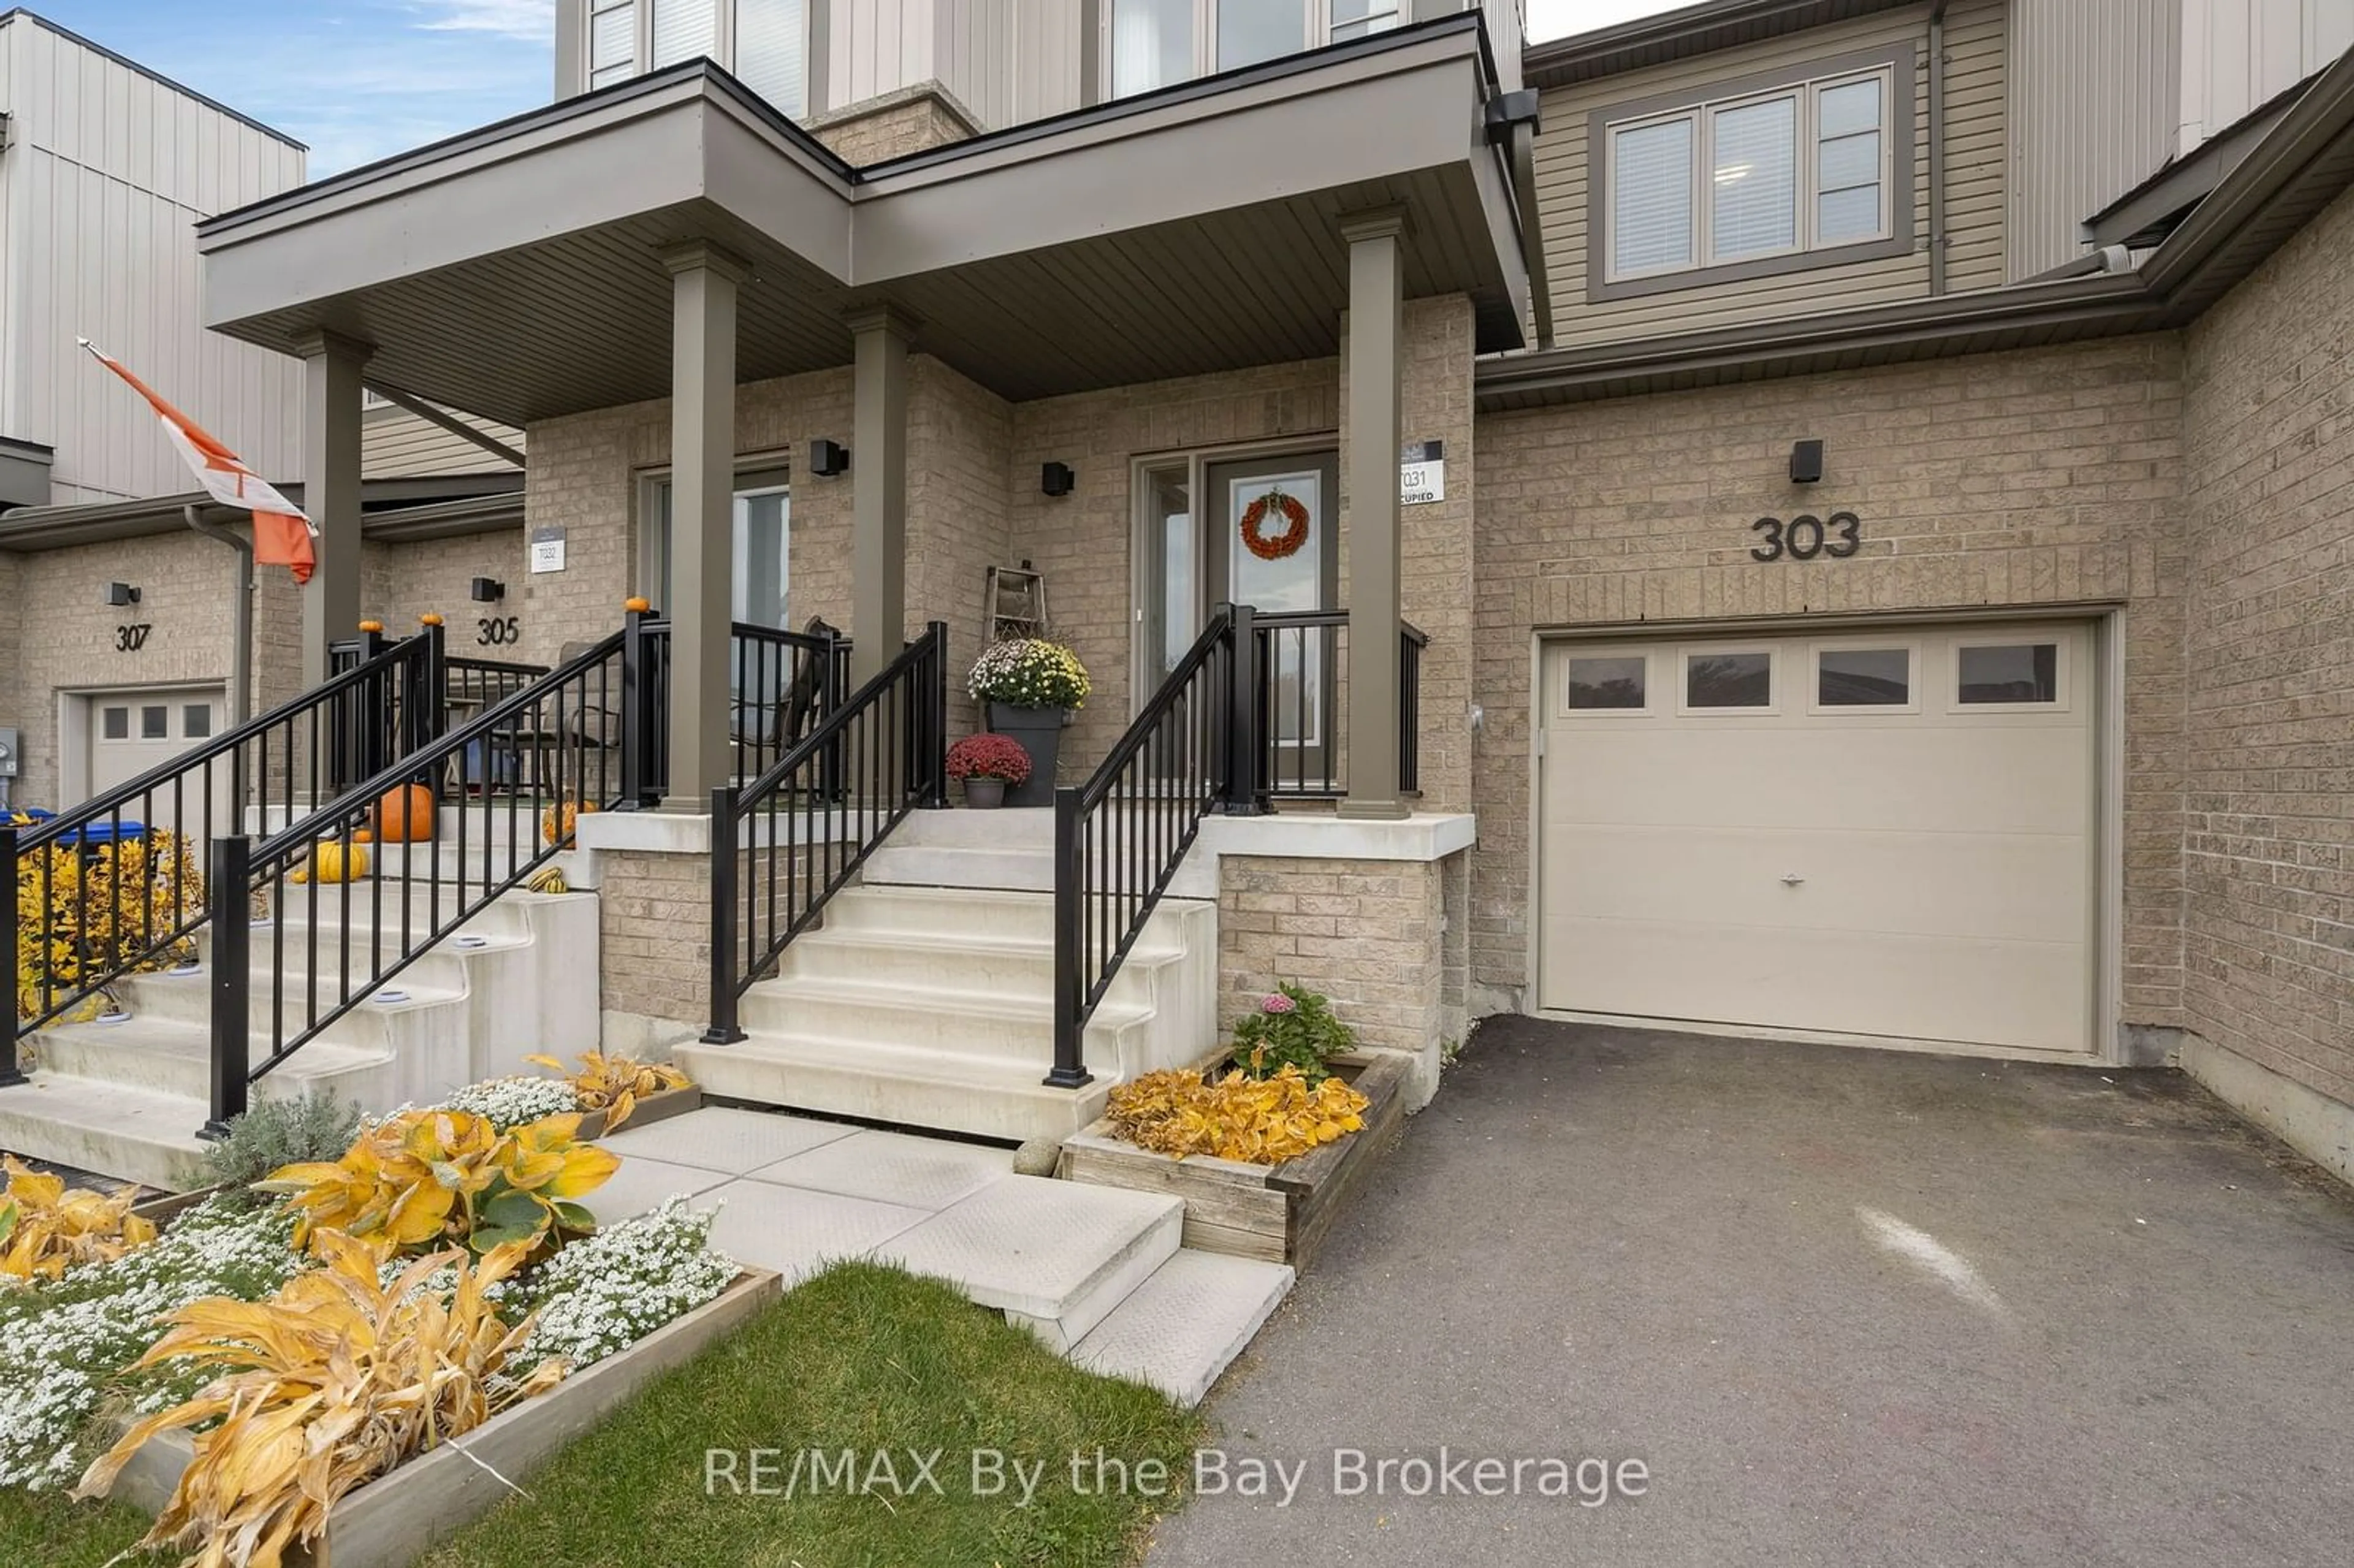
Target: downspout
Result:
[[1937, 147], [240, 655]]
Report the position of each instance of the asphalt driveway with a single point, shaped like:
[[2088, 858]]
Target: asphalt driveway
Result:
[[1843, 1308]]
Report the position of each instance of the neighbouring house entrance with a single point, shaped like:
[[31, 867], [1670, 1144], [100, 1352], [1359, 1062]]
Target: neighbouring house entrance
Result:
[[1885, 833], [1261, 531]]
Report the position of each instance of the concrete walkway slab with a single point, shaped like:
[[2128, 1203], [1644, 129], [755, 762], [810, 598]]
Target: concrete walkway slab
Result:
[[796, 1232], [721, 1138], [894, 1168], [1846, 1307], [641, 1184]]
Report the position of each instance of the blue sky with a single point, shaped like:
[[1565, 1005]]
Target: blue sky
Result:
[[360, 80]]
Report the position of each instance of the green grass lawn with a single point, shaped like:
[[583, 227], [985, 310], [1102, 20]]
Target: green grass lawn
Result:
[[860, 1357], [47, 1530]]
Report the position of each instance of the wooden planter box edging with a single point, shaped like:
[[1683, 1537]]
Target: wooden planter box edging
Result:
[[654, 1107], [1278, 1214], [395, 1517]]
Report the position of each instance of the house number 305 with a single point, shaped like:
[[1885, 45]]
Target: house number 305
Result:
[[1804, 537]]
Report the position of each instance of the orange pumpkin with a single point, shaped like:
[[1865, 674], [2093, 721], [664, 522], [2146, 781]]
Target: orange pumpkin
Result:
[[571, 813], [405, 815], [362, 836]]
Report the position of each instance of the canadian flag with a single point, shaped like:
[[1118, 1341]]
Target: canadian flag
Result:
[[283, 536]]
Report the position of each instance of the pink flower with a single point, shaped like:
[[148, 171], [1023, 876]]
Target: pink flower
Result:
[[1278, 1002]]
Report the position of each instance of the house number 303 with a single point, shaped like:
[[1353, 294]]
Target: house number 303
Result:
[[1804, 537]]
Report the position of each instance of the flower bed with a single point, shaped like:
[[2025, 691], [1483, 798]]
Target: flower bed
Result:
[[1277, 1213], [436, 1282], [389, 1521]]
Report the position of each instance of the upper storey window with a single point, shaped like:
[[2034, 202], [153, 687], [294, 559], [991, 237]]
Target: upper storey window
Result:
[[764, 42], [1755, 180], [1157, 42]]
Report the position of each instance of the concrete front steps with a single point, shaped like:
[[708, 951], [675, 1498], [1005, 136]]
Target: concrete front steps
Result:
[[125, 1098], [1097, 1273], [926, 999]]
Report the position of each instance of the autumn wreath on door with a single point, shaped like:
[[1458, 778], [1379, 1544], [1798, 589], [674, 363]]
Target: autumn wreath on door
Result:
[[1275, 547]]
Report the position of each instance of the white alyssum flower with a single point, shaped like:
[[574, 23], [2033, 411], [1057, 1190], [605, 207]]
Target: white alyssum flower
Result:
[[66, 1346], [509, 1103], [606, 1292]]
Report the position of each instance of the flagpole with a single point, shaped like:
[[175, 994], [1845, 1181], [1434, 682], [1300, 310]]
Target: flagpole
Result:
[[240, 655]]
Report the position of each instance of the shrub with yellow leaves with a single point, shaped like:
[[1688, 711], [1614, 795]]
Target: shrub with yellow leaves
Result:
[[614, 1084], [83, 914], [334, 1381], [45, 1230], [429, 1179], [1259, 1121]]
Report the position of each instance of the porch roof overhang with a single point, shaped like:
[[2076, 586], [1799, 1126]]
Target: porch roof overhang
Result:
[[516, 271], [394, 511]]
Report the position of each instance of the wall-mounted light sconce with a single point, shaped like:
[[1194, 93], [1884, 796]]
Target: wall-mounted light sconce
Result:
[[489, 591], [829, 459], [121, 594], [1807, 463], [1056, 478]]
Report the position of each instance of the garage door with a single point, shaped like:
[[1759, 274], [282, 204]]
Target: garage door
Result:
[[131, 732], [1885, 834]]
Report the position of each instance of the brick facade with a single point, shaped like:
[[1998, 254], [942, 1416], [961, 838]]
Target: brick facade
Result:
[[912, 120], [2038, 478], [401, 583], [2268, 905], [653, 932]]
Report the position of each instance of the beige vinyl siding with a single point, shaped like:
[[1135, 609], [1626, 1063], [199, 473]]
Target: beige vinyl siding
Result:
[[2093, 113], [1051, 46], [107, 172], [397, 444], [972, 56], [2238, 55], [1976, 147], [1974, 106]]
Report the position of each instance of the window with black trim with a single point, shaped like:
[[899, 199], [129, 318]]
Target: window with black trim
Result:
[[1766, 175]]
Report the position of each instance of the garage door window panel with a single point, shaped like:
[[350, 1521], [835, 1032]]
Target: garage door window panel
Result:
[[1867, 678], [2020, 675], [1606, 683], [1729, 681], [155, 722], [115, 723]]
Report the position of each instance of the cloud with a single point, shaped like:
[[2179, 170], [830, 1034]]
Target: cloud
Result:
[[526, 21]]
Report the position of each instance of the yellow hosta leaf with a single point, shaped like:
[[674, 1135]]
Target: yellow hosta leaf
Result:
[[1258, 1122]]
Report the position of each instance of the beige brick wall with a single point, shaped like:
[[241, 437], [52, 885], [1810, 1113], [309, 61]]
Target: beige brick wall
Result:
[[401, 583], [2036, 477], [1370, 934], [585, 474], [2269, 852], [957, 434], [653, 931], [913, 120]]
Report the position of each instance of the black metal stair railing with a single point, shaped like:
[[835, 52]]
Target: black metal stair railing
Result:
[[786, 842], [1303, 670], [331, 939], [116, 885], [782, 684], [1120, 836]]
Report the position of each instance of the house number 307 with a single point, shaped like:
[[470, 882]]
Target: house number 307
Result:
[[1804, 537]]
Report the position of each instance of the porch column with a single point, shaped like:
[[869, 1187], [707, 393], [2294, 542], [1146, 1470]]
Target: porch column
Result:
[[878, 477], [331, 494], [1376, 326], [704, 281]]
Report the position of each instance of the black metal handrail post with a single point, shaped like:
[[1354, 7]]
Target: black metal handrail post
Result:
[[639, 711], [1070, 1071], [432, 706], [1242, 793], [932, 747], [1411, 643], [725, 1028], [12, 1070], [232, 1000]]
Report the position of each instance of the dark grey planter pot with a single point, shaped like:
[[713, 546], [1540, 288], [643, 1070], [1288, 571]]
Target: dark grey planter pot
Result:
[[1039, 732], [985, 794]]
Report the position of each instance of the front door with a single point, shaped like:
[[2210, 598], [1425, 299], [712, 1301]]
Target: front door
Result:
[[1273, 545]]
